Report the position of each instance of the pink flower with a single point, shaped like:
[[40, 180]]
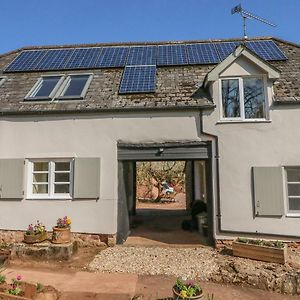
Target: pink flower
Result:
[[19, 277], [190, 283]]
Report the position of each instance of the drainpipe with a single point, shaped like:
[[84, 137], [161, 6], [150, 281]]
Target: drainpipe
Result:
[[219, 220], [215, 137]]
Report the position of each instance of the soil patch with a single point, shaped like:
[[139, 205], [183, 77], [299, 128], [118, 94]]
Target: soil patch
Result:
[[159, 287], [79, 261]]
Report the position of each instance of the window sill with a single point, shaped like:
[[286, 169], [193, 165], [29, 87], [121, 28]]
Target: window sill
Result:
[[49, 198], [293, 215], [242, 121], [53, 101], [37, 99], [67, 98]]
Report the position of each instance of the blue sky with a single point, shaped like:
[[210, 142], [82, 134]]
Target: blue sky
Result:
[[41, 22]]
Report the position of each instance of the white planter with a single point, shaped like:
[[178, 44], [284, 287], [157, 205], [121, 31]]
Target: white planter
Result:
[[201, 219]]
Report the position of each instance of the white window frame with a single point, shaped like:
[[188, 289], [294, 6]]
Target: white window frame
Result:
[[2, 79], [59, 89], [37, 85], [51, 175], [60, 93], [241, 97], [288, 212]]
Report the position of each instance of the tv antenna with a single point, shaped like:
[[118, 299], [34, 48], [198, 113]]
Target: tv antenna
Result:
[[248, 15]]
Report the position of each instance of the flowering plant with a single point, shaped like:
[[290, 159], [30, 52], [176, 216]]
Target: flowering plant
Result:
[[187, 289], [15, 287], [36, 229], [64, 222]]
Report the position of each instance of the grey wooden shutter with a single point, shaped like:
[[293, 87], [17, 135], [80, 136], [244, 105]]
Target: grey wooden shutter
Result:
[[268, 191], [11, 178], [87, 178]]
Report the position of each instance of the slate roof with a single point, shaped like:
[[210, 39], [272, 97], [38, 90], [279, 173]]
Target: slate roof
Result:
[[178, 87]]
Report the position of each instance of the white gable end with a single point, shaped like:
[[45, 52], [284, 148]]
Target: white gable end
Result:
[[243, 62], [242, 66]]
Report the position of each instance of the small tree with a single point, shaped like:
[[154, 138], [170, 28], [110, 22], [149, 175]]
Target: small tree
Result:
[[151, 174]]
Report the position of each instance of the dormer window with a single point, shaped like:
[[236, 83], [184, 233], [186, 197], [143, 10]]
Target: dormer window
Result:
[[243, 98], [60, 87]]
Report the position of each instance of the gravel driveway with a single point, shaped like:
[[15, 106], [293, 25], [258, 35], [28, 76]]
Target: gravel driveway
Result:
[[199, 263], [187, 262]]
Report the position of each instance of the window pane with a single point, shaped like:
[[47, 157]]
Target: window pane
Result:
[[231, 98], [62, 166], [40, 166], [294, 204], [40, 177], [293, 175], [40, 189], [62, 177], [294, 189], [46, 87], [254, 98], [76, 85], [61, 188]]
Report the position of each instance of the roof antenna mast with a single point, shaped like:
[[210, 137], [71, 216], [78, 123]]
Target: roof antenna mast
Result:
[[247, 15]]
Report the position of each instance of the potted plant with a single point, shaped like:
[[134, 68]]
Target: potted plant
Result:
[[186, 290], [62, 231], [35, 233]]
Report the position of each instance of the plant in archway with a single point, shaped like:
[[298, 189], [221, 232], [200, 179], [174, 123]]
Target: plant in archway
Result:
[[164, 175]]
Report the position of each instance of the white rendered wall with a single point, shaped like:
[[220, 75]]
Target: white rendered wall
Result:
[[248, 144], [83, 136]]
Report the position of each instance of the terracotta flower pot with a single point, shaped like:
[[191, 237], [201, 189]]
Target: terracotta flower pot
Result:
[[35, 238], [28, 292], [61, 235], [176, 296]]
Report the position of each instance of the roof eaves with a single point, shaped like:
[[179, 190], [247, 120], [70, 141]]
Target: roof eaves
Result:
[[105, 110]]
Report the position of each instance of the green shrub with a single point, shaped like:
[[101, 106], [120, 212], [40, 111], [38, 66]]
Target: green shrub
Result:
[[2, 278], [276, 244]]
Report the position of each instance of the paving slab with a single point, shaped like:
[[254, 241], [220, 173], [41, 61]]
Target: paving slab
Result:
[[85, 283]]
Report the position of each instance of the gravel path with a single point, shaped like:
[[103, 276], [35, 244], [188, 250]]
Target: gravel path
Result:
[[187, 262], [198, 263]]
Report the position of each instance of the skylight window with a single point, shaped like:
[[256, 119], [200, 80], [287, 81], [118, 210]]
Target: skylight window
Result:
[[75, 86], [45, 88], [60, 87]]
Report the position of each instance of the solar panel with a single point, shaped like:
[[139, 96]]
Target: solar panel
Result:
[[163, 55], [83, 58], [142, 55], [226, 48], [112, 57], [202, 54], [138, 79], [168, 55], [54, 59], [25, 61], [267, 50]]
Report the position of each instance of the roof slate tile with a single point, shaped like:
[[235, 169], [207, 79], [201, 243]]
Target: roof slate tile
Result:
[[177, 87]]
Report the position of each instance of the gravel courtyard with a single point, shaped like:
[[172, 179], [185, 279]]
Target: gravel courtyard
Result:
[[189, 262], [198, 263]]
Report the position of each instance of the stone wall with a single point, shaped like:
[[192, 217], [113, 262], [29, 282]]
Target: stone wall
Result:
[[83, 239]]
